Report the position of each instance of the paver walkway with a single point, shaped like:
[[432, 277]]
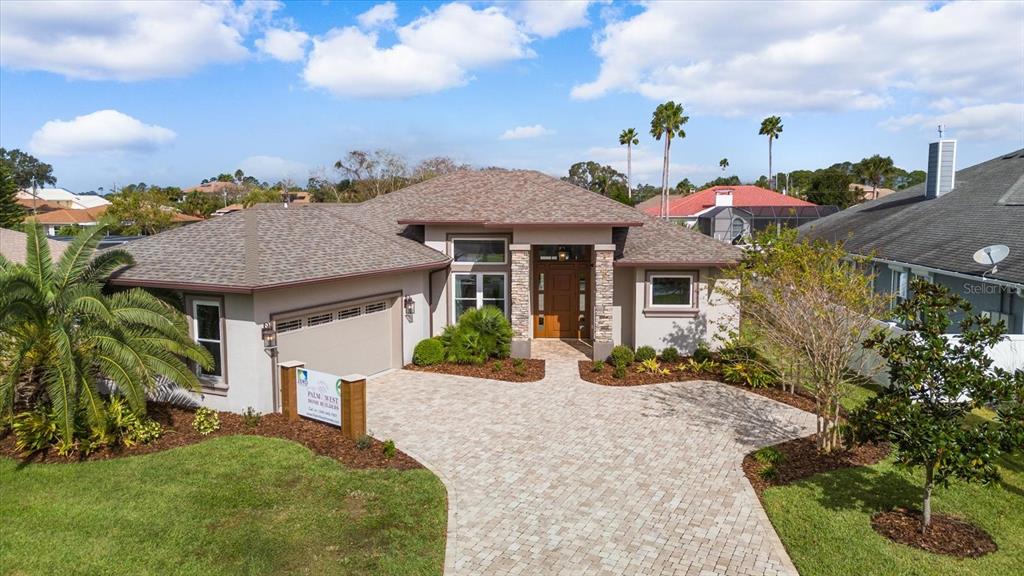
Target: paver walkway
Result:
[[563, 476]]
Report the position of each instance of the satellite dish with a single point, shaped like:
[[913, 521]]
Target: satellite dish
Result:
[[991, 255]]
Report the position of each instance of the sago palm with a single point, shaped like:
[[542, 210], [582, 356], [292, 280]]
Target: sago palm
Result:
[[62, 337], [771, 127], [667, 122], [628, 138]]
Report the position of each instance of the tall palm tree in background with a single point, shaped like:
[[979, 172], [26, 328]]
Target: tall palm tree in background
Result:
[[771, 127], [723, 164], [628, 138], [874, 171], [61, 336], [667, 122]]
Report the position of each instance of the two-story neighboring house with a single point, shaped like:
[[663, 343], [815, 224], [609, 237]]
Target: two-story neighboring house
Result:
[[935, 229]]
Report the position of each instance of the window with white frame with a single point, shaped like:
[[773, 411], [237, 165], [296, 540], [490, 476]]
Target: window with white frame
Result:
[[479, 250], [207, 330], [670, 290], [900, 284], [478, 289]]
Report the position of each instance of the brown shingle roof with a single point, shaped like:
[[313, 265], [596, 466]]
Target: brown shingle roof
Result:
[[267, 246], [13, 243], [658, 242]]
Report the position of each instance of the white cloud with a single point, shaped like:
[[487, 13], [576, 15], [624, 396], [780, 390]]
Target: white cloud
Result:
[[1002, 121], [741, 58], [125, 41], [524, 132], [549, 18], [647, 163], [284, 45], [274, 168], [436, 51], [100, 132], [378, 16]]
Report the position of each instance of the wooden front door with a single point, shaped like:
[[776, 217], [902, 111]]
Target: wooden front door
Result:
[[561, 299]]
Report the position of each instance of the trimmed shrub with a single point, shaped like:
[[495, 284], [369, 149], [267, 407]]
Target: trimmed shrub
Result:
[[428, 352], [597, 366], [644, 353], [492, 327], [621, 356], [619, 372], [670, 354], [206, 421], [389, 449]]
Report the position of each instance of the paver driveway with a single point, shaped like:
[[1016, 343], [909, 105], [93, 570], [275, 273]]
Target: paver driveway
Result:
[[563, 476]]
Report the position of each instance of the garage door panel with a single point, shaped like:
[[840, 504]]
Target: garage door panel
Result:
[[340, 343]]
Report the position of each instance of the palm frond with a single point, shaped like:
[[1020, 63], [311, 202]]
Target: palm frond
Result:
[[60, 380], [138, 307], [9, 380], [37, 255], [104, 264], [125, 367], [76, 257]]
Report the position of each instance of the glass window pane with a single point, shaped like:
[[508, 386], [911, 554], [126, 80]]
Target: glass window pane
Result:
[[494, 286], [465, 286], [583, 302], [583, 284], [540, 302], [207, 322], [498, 303], [486, 251], [670, 291], [463, 305], [214, 348], [540, 282]]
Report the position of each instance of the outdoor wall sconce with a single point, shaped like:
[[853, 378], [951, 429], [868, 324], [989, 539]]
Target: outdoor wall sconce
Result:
[[410, 306], [563, 254], [269, 334]]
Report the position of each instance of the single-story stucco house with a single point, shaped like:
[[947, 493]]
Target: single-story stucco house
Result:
[[352, 288]]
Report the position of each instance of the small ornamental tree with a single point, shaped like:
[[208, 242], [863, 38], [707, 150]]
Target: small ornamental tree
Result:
[[936, 381], [812, 305]]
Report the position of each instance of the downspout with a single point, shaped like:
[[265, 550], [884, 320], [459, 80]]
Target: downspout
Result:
[[430, 296]]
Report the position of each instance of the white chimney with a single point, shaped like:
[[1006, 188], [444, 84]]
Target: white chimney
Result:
[[941, 168], [723, 197]]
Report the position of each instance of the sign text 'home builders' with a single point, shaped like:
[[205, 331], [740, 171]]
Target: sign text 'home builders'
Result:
[[318, 396]]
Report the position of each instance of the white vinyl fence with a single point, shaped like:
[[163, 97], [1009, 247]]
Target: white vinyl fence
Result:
[[1008, 354]]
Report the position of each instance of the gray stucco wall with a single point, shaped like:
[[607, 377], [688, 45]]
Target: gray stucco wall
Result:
[[714, 317]]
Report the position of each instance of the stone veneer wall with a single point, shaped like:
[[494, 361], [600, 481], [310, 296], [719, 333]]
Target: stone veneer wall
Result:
[[603, 291], [522, 318]]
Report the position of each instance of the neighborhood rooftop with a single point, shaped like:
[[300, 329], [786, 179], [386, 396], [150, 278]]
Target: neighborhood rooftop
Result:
[[985, 207]]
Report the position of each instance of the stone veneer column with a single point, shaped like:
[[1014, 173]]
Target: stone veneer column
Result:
[[522, 316], [604, 256]]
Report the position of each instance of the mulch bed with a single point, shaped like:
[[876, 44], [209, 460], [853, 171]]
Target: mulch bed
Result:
[[801, 459], [946, 535], [322, 439], [633, 378], [532, 371]]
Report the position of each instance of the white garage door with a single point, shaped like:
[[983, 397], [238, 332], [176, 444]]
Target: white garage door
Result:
[[359, 337]]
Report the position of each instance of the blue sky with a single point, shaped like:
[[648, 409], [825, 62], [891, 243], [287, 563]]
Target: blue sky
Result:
[[171, 93]]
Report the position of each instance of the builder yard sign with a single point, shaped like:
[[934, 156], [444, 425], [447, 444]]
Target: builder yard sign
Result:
[[318, 396]]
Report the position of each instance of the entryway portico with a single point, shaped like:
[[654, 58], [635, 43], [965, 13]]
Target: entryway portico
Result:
[[562, 291]]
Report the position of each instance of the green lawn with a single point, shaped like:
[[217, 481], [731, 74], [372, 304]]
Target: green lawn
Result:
[[232, 505], [824, 521]]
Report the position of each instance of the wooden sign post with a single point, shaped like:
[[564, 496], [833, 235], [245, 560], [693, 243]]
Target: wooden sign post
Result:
[[353, 406], [289, 399]]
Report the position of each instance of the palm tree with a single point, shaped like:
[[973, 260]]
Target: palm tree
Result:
[[62, 335], [667, 121], [723, 164], [628, 138], [874, 171], [771, 127]]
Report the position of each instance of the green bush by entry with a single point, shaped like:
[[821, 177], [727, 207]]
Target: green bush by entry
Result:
[[621, 356], [670, 354], [428, 352], [480, 333], [645, 353], [702, 353]]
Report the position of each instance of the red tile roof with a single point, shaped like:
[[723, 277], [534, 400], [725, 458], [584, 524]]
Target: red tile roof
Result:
[[742, 196]]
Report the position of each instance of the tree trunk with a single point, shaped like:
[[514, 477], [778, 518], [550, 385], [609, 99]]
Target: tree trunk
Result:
[[926, 509], [664, 178], [629, 170], [771, 183]]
